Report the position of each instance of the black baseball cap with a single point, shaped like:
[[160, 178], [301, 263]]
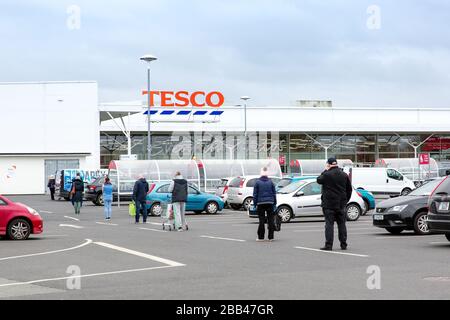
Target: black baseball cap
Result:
[[332, 160]]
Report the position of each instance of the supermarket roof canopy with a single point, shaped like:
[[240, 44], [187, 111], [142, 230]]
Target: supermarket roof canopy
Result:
[[110, 111]]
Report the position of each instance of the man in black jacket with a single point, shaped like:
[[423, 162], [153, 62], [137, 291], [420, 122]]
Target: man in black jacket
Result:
[[140, 191], [336, 192]]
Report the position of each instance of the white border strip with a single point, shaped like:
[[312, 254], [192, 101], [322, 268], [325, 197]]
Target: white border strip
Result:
[[72, 218], [140, 254], [70, 226], [81, 276], [333, 252], [219, 238], [88, 241]]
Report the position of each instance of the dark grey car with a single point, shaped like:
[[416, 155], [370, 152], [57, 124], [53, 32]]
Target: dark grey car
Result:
[[406, 212]]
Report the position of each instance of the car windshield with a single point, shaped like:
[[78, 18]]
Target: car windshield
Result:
[[426, 189], [284, 182], [292, 187]]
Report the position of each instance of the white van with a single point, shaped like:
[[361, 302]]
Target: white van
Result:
[[380, 180]]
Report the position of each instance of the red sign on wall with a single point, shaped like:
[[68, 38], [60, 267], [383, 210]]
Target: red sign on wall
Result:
[[436, 144], [424, 158]]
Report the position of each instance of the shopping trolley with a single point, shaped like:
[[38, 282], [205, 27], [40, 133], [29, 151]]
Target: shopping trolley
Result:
[[167, 216]]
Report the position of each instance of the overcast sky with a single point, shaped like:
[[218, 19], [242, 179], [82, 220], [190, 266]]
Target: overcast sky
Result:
[[273, 51]]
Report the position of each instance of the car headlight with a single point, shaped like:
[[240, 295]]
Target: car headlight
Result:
[[32, 211], [398, 208]]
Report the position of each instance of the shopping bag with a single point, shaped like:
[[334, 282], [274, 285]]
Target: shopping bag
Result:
[[277, 222], [132, 209]]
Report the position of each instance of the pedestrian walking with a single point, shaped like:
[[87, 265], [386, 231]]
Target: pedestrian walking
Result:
[[52, 186], [179, 189], [107, 198], [139, 197], [77, 193], [265, 199], [336, 192]]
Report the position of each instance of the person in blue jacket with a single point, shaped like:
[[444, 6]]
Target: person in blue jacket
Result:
[[265, 199], [107, 198]]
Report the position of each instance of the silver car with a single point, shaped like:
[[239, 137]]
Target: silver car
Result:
[[240, 191]]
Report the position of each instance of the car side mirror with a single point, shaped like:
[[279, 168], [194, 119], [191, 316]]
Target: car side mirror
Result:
[[300, 194], [401, 178]]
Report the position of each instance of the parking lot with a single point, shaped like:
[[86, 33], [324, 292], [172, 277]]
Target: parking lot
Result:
[[218, 258]]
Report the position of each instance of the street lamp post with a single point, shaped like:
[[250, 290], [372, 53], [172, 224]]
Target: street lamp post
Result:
[[148, 58], [245, 98]]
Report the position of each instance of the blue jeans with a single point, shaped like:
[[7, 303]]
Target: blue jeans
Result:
[[107, 208]]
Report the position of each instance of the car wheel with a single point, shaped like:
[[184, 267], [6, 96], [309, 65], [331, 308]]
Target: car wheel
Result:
[[212, 207], [353, 212], [19, 229], [447, 235], [99, 200], [156, 209], [405, 191], [247, 202], [235, 206], [395, 230], [198, 212], [285, 214], [420, 223]]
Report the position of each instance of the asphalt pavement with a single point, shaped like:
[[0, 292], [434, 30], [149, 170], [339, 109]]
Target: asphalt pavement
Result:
[[86, 257]]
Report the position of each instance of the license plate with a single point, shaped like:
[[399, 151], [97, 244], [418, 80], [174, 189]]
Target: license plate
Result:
[[443, 206], [378, 217]]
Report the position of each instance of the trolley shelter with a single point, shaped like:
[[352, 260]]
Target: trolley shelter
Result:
[[314, 167], [212, 171], [205, 174], [411, 168]]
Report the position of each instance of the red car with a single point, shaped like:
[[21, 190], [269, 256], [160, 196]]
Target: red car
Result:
[[18, 221]]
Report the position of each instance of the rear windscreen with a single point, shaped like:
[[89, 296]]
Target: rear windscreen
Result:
[[444, 187], [235, 183]]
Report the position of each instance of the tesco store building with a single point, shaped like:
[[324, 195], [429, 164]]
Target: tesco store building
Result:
[[49, 126]]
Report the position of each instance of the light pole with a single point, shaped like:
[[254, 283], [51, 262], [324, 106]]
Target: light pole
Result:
[[245, 98], [148, 58]]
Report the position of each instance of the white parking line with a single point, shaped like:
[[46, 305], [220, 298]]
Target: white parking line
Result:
[[153, 229], [88, 241], [322, 230], [81, 276], [107, 223], [45, 211], [140, 254], [333, 252], [440, 242], [408, 237], [72, 218], [219, 238], [155, 223], [70, 226]]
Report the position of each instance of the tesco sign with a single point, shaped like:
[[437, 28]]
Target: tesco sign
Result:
[[213, 99]]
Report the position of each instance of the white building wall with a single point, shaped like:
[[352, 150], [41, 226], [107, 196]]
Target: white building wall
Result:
[[46, 120], [20, 175]]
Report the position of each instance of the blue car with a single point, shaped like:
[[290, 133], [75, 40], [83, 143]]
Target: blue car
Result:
[[288, 180], [368, 198], [198, 201]]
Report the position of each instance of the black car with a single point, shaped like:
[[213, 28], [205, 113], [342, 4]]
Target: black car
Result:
[[439, 210], [94, 192], [406, 212]]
